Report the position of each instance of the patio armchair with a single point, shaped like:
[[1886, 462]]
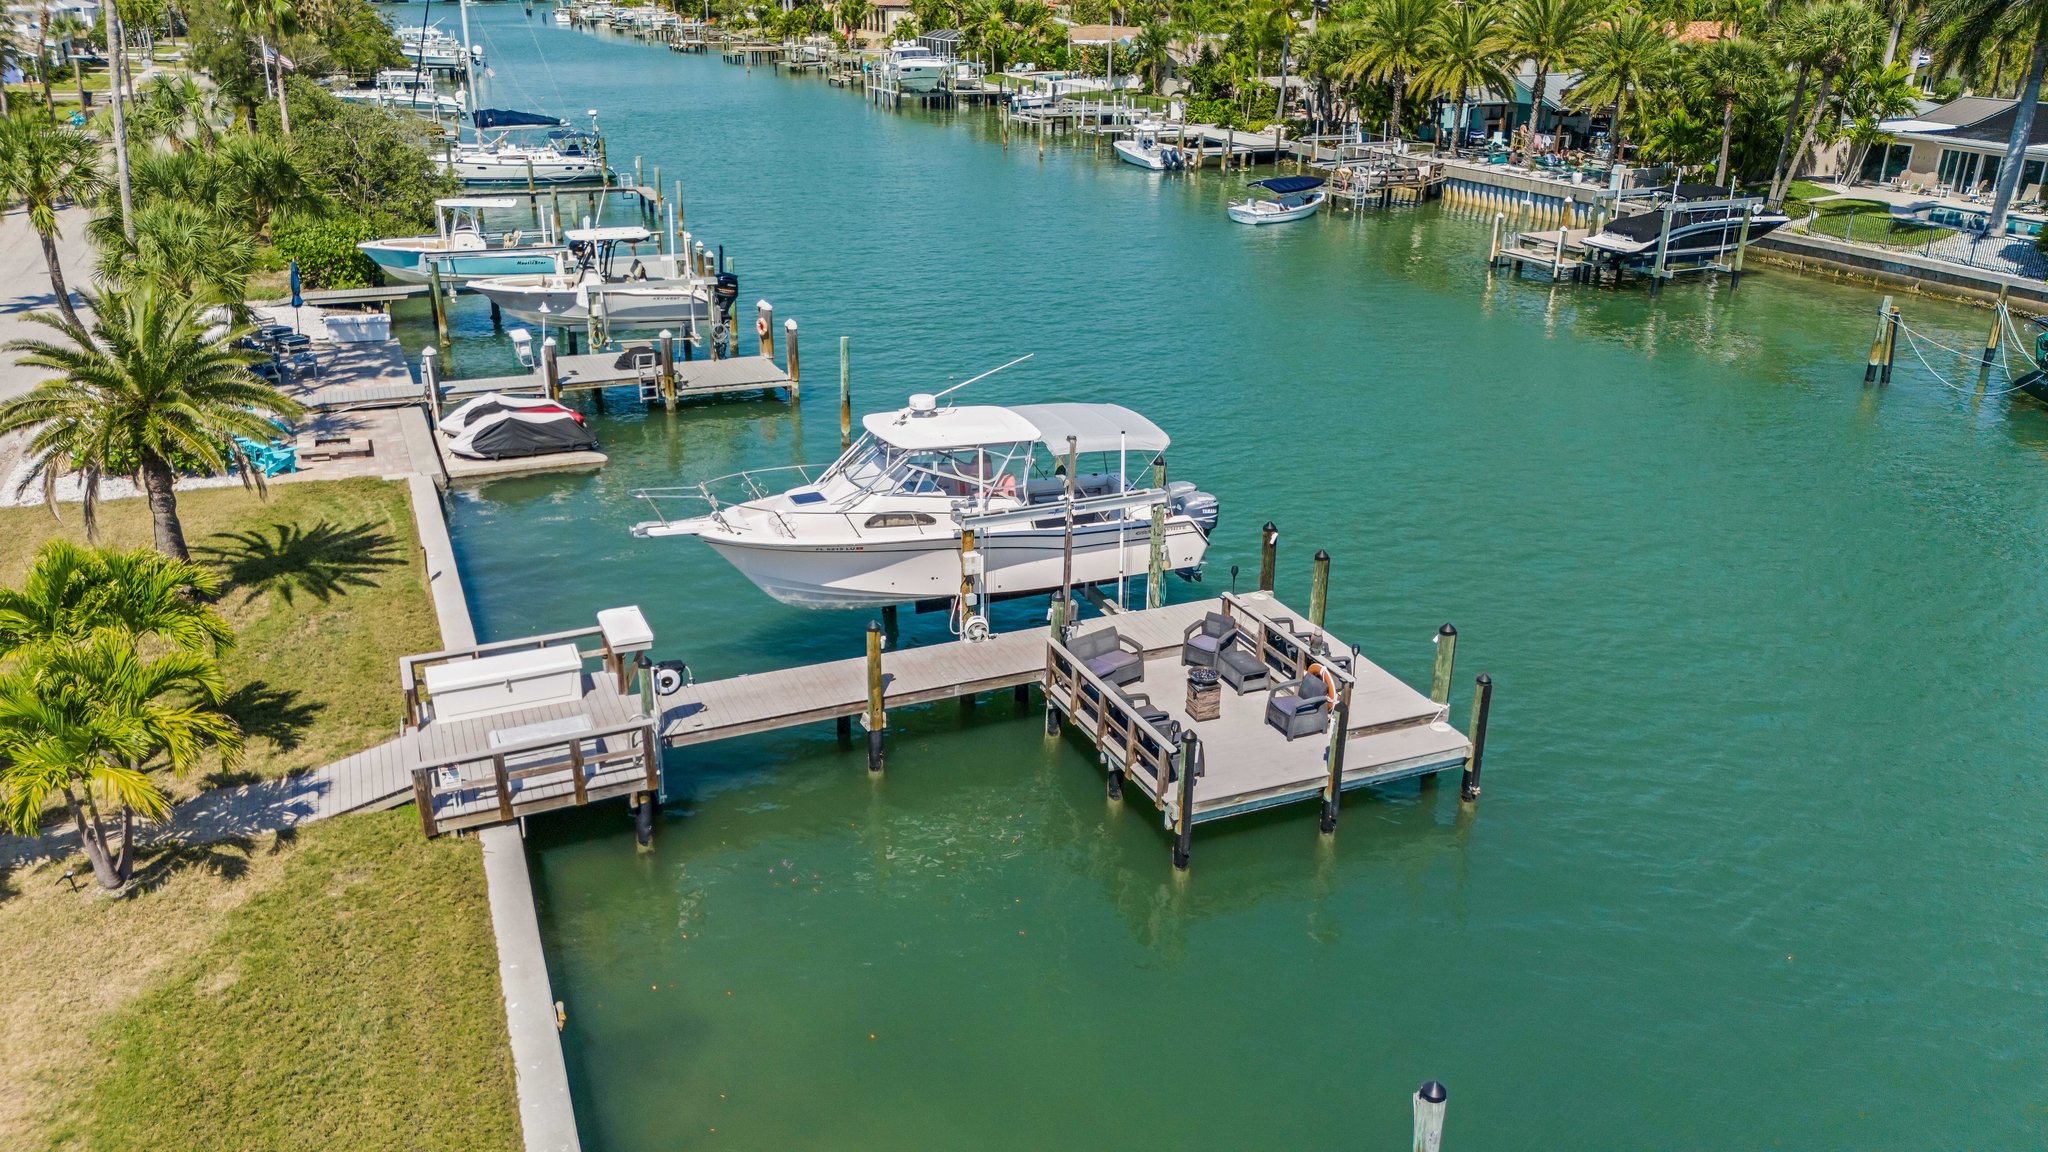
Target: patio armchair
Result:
[[1113, 657], [1157, 717], [1299, 708], [1205, 638]]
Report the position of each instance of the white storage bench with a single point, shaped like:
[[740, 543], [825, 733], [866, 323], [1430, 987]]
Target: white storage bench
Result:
[[492, 684]]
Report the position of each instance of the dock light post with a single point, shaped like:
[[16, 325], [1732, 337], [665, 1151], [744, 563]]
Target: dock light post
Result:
[[1430, 1100]]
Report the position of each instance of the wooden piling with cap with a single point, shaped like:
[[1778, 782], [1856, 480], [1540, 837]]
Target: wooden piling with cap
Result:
[[876, 718], [845, 392], [1155, 563], [666, 346], [1269, 555], [790, 359], [1319, 588], [1184, 812], [1333, 784], [438, 300], [1446, 660], [1876, 358], [1482, 703], [1991, 341], [764, 327], [1891, 346]]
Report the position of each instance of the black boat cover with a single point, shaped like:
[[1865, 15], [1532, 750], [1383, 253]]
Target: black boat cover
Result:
[[509, 434], [509, 118], [1283, 185]]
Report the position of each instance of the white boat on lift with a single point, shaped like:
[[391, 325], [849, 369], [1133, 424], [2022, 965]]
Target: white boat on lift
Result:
[[404, 88], [1294, 197], [882, 524], [602, 270], [1145, 149], [565, 157], [914, 69], [463, 249]]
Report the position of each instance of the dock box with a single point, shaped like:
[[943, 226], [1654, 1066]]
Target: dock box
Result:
[[492, 684], [358, 327]]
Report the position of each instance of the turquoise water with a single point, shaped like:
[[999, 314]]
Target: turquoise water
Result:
[[1759, 861]]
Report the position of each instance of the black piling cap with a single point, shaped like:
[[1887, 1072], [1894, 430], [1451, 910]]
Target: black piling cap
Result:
[[1447, 630], [1322, 557], [1433, 1091], [1484, 679], [874, 625], [1271, 528]]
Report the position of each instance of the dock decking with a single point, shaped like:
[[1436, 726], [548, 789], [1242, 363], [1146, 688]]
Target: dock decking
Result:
[[621, 369]]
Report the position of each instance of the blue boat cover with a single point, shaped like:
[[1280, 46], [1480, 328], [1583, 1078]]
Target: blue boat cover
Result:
[[1282, 185], [507, 118]]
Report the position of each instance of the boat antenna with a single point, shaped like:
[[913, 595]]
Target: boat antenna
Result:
[[985, 375]]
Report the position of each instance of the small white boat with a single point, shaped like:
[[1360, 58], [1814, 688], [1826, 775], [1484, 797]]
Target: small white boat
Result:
[[1293, 197], [462, 248], [649, 291], [563, 15], [914, 69], [1145, 150], [883, 523], [564, 157], [404, 88]]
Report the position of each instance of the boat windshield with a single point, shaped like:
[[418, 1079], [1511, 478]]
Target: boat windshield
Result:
[[977, 473]]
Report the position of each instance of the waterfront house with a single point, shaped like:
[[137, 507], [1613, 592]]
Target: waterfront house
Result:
[[1956, 149], [1491, 115]]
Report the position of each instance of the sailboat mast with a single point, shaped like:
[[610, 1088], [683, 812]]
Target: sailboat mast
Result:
[[468, 59]]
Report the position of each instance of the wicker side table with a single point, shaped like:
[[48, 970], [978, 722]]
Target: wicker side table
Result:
[[1205, 694]]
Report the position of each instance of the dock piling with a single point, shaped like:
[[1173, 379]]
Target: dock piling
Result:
[[789, 354], [1870, 366], [1333, 788], [1990, 342], [439, 301], [876, 718], [550, 374], [1269, 554], [1184, 812], [1482, 702], [1319, 589], [1891, 346], [1430, 1100], [1155, 564], [643, 820], [764, 327], [845, 393], [666, 348], [1741, 246], [1446, 659]]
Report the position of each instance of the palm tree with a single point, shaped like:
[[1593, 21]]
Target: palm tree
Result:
[[1395, 37], [72, 592], [1876, 93], [117, 55], [853, 16], [1549, 34], [43, 59], [69, 30], [1153, 53], [1466, 51], [82, 723], [147, 388], [42, 164], [1724, 73], [267, 20], [198, 253], [1839, 34], [1960, 30], [1619, 56]]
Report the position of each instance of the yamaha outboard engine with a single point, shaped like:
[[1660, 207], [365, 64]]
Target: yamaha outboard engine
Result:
[[727, 290], [1186, 500]]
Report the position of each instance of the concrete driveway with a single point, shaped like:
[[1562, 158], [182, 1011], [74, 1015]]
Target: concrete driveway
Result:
[[25, 284]]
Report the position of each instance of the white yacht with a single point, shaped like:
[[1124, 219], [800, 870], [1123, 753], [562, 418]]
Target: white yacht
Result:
[[602, 272], [883, 523], [1145, 149], [433, 48], [404, 88], [913, 68], [564, 157]]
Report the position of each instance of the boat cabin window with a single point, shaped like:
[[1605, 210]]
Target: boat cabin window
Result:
[[900, 520], [977, 473]]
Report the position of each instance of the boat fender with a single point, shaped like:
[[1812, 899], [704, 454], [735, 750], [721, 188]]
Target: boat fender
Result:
[[670, 676], [761, 327], [1329, 682], [975, 629]]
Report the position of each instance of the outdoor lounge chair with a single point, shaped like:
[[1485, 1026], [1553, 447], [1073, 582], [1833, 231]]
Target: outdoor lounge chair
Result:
[[1300, 708], [1109, 655], [1157, 717], [1205, 638]]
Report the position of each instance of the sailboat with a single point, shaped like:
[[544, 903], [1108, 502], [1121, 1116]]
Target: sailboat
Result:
[[566, 156]]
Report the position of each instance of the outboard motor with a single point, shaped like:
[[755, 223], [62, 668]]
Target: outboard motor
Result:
[[1184, 499], [726, 290]]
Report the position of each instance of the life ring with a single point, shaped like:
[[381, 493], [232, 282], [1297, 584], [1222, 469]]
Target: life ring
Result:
[[1329, 681], [761, 327]]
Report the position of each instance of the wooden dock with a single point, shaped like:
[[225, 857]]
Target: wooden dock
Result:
[[637, 366]]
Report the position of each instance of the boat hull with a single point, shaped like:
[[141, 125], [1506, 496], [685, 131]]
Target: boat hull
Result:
[[486, 170], [1691, 244], [1250, 212], [928, 567], [625, 307], [414, 265], [1156, 158], [917, 81]]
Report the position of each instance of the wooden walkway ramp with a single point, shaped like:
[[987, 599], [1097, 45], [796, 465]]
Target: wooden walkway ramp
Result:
[[767, 701]]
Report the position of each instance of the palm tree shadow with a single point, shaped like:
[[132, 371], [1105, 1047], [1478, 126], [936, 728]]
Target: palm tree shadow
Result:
[[157, 865], [274, 714], [323, 561]]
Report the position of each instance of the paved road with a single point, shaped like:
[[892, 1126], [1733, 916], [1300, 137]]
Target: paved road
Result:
[[25, 283]]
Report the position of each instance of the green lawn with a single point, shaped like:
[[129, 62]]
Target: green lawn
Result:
[[1871, 222], [332, 989], [326, 590]]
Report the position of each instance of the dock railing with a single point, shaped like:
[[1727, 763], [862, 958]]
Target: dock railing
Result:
[[1115, 727], [498, 785]]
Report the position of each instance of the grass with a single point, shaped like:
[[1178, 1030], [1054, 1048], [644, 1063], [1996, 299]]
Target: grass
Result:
[[1871, 222], [333, 988], [326, 590]]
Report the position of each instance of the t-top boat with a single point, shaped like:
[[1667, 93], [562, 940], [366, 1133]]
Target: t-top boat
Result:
[[566, 157], [1145, 150], [463, 249], [601, 270], [913, 68], [882, 524], [1706, 224], [1293, 197]]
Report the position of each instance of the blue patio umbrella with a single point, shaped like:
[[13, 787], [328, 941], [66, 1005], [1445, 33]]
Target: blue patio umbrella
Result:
[[298, 301]]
